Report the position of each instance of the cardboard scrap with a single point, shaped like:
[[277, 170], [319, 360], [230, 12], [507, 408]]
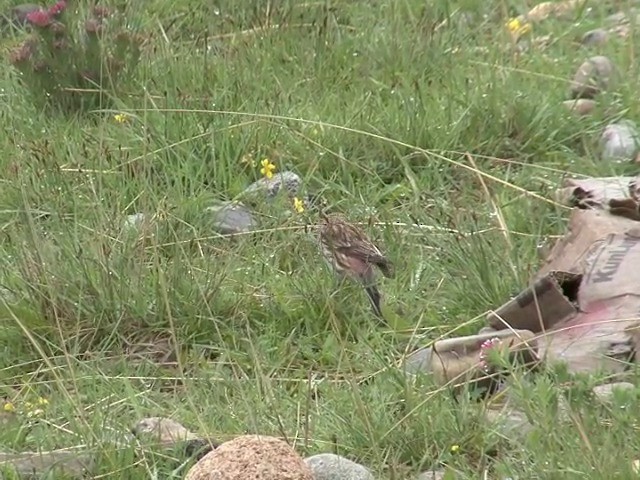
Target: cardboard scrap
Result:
[[541, 306], [584, 303], [596, 192], [457, 360], [586, 227], [582, 307]]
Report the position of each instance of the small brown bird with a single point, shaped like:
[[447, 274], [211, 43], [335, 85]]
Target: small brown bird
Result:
[[350, 253]]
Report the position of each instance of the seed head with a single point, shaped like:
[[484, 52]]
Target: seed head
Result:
[[93, 26], [101, 12]]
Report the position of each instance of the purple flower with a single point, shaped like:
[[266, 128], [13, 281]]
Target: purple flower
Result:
[[58, 8], [39, 18]]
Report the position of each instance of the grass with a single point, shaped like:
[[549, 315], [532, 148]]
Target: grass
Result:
[[400, 112]]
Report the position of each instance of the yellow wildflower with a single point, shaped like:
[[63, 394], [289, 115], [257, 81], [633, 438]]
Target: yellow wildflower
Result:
[[267, 168], [518, 27], [9, 407], [120, 118], [43, 401], [298, 205], [455, 448]]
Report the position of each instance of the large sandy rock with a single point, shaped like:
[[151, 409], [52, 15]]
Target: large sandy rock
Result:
[[252, 457]]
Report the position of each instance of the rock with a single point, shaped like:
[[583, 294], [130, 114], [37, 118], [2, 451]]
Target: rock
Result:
[[432, 475], [595, 38], [270, 187], [620, 141], [485, 330], [580, 106], [134, 221], [8, 295], [605, 393], [165, 431], [231, 218], [327, 466], [510, 421], [169, 433], [251, 456], [592, 77], [619, 18], [61, 463], [199, 447], [621, 31]]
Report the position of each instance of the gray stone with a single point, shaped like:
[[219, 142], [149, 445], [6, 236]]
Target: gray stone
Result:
[[606, 392], [510, 422], [592, 77], [595, 38], [232, 218], [485, 330], [327, 466], [134, 221], [8, 295], [619, 18], [620, 141], [164, 430], [270, 187], [419, 361], [432, 475], [580, 106]]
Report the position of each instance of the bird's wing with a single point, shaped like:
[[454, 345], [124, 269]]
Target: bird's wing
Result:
[[369, 253], [364, 251]]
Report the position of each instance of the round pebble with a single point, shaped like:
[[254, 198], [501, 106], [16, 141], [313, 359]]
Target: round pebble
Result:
[[134, 221], [595, 38], [432, 475], [592, 77], [327, 466], [269, 187], [620, 141], [606, 392], [580, 106], [232, 218], [165, 430]]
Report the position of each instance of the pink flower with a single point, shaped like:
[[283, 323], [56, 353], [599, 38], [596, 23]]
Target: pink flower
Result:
[[484, 349], [39, 18], [58, 8]]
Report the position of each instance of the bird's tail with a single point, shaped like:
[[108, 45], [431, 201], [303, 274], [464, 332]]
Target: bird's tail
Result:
[[374, 297], [386, 267]]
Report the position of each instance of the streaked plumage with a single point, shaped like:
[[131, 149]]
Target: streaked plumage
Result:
[[350, 253]]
